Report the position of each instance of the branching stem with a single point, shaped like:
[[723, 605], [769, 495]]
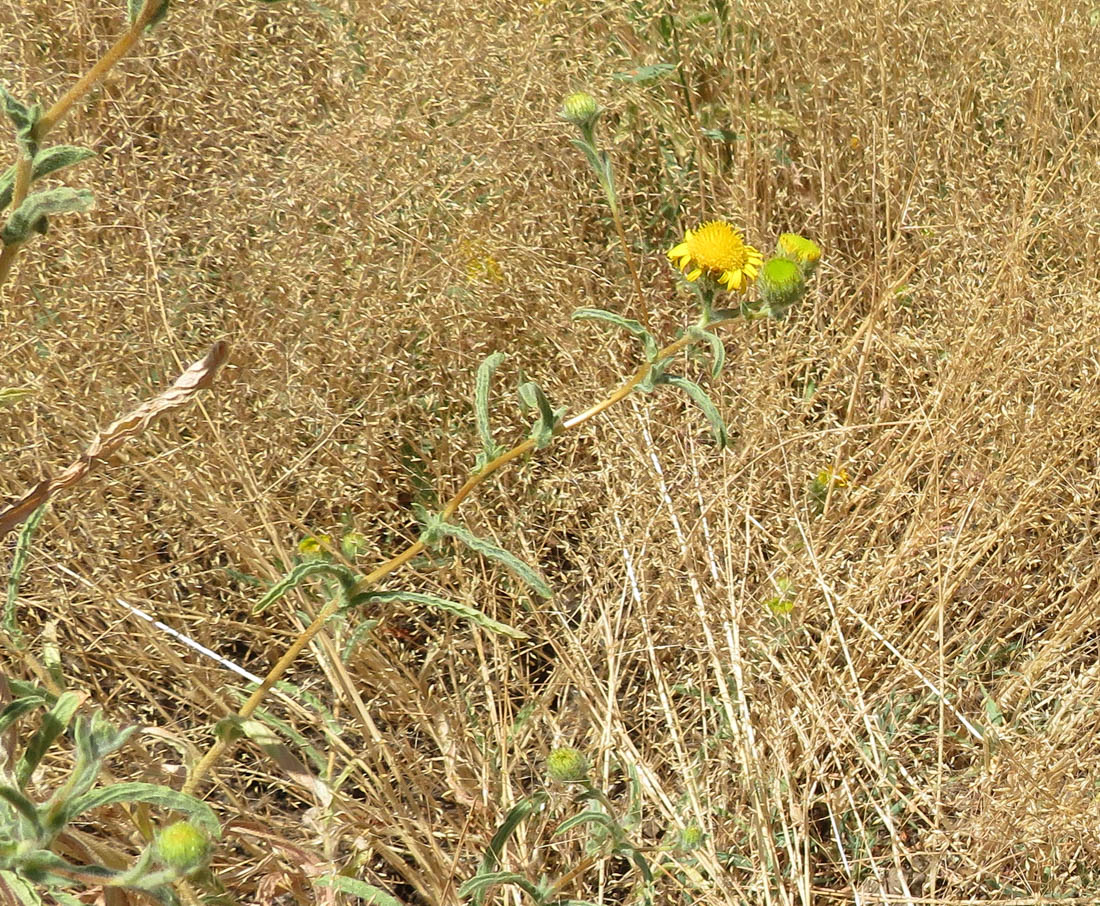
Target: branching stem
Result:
[[203, 767]]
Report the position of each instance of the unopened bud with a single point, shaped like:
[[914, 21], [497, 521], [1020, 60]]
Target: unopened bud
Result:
[[781, 285], [183, 846], [567, 765], [581, 109]]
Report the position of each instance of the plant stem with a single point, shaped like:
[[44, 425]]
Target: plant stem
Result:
[[118, 50], [57, 112], [643, 308], [202, 768]]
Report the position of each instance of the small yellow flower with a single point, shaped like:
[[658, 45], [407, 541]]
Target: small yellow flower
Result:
[[839, 477], [717, 249]]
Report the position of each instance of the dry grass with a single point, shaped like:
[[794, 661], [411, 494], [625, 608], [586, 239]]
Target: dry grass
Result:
[[310, 181]]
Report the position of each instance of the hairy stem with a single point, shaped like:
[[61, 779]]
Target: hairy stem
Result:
[[84, 84], [57, 112], [202, 768]]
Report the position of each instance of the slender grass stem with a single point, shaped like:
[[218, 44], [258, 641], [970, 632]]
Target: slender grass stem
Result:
[[210, 758]]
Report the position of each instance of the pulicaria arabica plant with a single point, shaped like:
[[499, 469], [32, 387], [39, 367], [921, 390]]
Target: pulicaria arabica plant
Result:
[[729, 278]]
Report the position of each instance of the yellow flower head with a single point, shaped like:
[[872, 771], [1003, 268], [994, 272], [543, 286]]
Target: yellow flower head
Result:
[[717, 249]]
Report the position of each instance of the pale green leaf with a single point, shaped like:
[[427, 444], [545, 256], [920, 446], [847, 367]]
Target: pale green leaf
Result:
[[490, 550], [357, 888], [162, 796], [717, 424], [453, 607]]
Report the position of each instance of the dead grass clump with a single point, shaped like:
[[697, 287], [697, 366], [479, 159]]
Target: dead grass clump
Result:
[[318, 185]]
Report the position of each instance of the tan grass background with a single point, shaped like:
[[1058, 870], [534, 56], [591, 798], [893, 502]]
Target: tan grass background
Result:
[[312, 182]]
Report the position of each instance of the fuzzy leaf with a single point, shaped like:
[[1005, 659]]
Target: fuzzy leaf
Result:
[[645, 73], [478, 884], [32, 214], [24, 117], [628, 324], [490, 449], [589, 817], [490, 550], [518, 813], [655, 376], [543, 430], [299, 574], [699, 395], [46, 162], [460, 610], [717, 348], [54, 723], [23, 805], [18, 564], [17, 709], [21, 888], [197, 810], [357, 888]]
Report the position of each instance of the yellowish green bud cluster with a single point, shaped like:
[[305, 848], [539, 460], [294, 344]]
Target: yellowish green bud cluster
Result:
[[567, 765], [183, 846], [802, 251], [581, 109]]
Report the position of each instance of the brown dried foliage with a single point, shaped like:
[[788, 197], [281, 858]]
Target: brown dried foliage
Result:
[[309, 181]]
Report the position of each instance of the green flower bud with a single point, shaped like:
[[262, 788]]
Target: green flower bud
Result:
[[183, 846], [802, 251], [580, 109], [567, 765], [691, 837], [781, 285]]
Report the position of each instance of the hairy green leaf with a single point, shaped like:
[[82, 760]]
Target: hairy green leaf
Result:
[[480, 883], [357, 888], [516, 816], [18, 564], [162, 796], [24, 117], [17, 709], [627, 324], [21, 888], [23, 806], [490, 550], [32, 214], [454, 607], [54, 723], [655, 376], [717, 424], [47, 161], [717, 348], [299, 574], [549, 419], [588, 817], [490, 449]]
